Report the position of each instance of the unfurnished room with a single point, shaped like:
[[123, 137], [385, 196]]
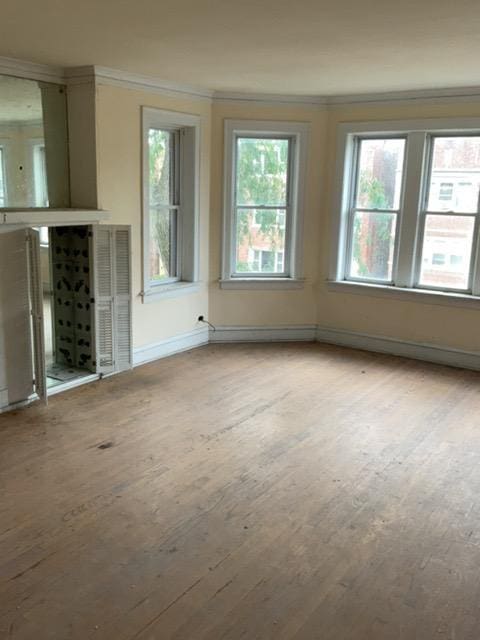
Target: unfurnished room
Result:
[[239, 320]]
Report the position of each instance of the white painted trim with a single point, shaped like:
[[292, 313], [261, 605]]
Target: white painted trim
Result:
[[169, 346], [269, 99], [442, 298], [463, 94], [416, 350], [31, 70], [52, 217], [136, 81], [263, 284], [173, 290], [188, 236], [299, 133], [411, 215], [115, 77], [72, 384], [293, 333]]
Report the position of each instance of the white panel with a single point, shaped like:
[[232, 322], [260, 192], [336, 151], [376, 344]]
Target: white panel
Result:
[[123, 323], [36, 306], [103, 287], [113, 326], [16, 372]]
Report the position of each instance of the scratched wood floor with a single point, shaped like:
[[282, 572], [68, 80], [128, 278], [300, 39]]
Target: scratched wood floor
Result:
[[291, 491]]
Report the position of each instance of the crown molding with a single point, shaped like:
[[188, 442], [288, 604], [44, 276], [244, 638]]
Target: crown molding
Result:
[[394, 97], [31, 70], [104, 75], [125, 79], [269, 98]]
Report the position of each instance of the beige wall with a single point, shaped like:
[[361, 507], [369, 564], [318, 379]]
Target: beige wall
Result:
[[118, 130], [257, 308], [413, 321], [118, 125]]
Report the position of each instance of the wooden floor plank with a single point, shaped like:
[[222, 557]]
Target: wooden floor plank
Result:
[[284, 492]]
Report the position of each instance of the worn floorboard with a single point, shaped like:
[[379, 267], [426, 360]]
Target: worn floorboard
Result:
[[284, 492]]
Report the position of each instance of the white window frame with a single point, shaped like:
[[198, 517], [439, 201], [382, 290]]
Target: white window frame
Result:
[[412, 214], [188, 127], [5, 144], [298, 133], [4, 175]]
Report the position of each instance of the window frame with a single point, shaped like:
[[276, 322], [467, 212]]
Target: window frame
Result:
[[353, 192], [187, 181], [4, 145], [411, 221], [297, 133]]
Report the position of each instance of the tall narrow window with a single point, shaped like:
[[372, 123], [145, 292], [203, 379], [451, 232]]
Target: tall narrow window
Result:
[[164, 204], [375, 208], [3, 199], [40, 176], [264, 181], [170, 202], [452, 207], [261, 203]]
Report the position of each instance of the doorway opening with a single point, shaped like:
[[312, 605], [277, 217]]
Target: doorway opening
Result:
[[67, 305]]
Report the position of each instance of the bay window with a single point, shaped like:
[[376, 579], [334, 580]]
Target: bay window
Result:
[[407, 206]]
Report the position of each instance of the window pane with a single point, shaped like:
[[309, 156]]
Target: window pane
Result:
[[455, 175], [373, 245], [262, 168], [260, 241], [161, 154], [163, 235], [2, 180], [380, 173], [447, 247]]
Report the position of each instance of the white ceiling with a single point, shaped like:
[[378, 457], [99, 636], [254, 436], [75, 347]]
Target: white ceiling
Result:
[[324, 47]]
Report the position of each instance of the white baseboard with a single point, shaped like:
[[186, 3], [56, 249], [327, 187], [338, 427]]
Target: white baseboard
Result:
[[169, 346], [294, 333], [418, 351]]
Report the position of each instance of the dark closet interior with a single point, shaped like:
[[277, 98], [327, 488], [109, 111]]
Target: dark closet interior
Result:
[[71, 303]]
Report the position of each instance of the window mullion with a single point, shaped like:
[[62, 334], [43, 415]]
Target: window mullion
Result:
[[410, 214], [476, 260]]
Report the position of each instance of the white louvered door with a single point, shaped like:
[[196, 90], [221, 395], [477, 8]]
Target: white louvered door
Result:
[[36, 310], [16, 371], [111, 274], [122, 302]]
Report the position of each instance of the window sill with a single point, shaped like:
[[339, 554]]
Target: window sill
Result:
[[172, 290], [262, 284], [407, 295]]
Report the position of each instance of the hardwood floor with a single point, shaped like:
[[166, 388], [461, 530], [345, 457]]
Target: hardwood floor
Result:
[[284, 492]]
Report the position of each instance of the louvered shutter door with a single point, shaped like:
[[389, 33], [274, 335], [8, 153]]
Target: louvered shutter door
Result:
[[16, 373], [36, 307], [103, 288], [111, 247], [123, 324]]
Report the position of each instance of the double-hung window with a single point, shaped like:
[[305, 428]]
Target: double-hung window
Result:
[[407, 206], [170, 202], [263, 200], [3, 198]]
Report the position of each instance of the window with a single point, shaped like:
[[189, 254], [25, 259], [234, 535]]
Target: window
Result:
[[40, 176], [446, 191], [376, 206], [409, 203], [264, 176], [170, 201], [3, 198]]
